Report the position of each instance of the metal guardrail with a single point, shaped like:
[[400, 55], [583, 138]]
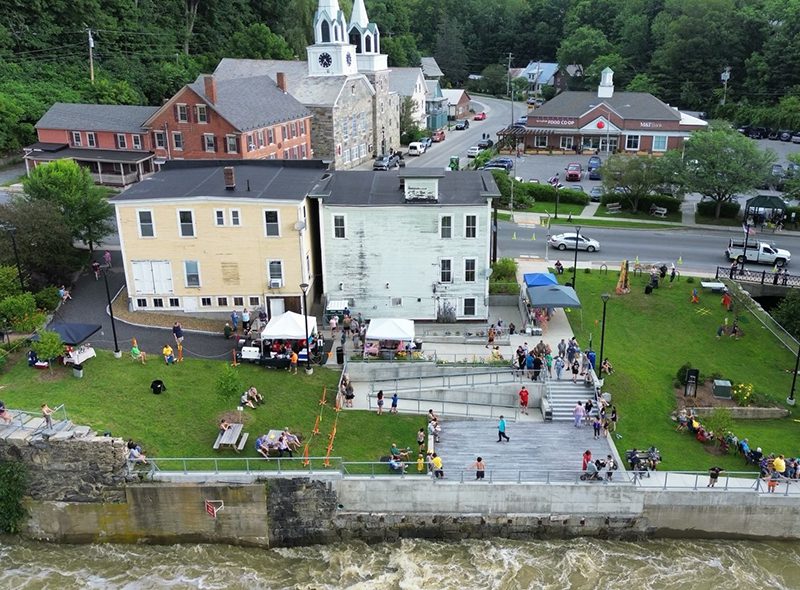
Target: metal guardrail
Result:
[[762, 277], [738, 481], [450, 381], [233, 465], [470, 409]]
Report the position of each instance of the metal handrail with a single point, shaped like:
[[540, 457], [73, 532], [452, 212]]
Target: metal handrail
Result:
[[424, 404], [217, 465], [446, 380], [19, 413]]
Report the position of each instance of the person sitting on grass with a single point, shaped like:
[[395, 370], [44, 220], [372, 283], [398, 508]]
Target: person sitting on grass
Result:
[[245, 400], [168, 354], [291, 439], [396, 465], [138, 355], [254, 396], [262, 446], [399, 453], [283, 446], [605, 367]]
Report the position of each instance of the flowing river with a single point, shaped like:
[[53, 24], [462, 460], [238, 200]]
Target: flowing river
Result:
[[408, 564]]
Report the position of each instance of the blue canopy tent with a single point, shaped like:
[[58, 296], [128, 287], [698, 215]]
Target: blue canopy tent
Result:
[[539, 279]]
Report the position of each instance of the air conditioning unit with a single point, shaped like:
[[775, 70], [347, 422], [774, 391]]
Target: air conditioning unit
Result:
[[275, 283]]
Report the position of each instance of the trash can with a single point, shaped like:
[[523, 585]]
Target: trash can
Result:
[[418, 344], [340, 355], [77, 371]]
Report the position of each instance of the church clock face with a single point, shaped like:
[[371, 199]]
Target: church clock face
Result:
[[325, 60], [349, 58]]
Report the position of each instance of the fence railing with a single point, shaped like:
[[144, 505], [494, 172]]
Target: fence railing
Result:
[[735, 481], [765, 319], [452, 408], [762, 277], [467, 379], [233, 465], [59, 415]]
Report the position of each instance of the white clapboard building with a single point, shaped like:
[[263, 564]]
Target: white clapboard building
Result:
[[410, 244]]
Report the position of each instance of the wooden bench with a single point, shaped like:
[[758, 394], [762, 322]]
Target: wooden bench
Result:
[[613, 207], [216, 442], [715, 286], [658, 211], [242, 441]]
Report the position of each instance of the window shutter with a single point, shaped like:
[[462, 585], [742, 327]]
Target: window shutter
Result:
[[116, 140], [216, 142], [175, 112], [190, 114], [208, 115]]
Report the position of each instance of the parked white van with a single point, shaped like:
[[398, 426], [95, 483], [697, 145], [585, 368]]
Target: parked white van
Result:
[[416, 148]]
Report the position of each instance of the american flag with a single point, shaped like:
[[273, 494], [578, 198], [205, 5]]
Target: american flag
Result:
[[748, 230]]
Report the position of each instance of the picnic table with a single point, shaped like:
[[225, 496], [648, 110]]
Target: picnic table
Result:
[[715, 286], [233, 438]]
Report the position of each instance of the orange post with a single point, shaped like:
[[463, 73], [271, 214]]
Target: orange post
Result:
[[234, 363], [305, 456], [180, 352], [316, 426]]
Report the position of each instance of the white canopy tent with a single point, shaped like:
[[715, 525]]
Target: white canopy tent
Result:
[[288, 326], [390, 329]]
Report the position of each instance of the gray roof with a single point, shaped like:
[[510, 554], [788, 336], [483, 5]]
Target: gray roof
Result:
[[96, 117], [431, 68], [252, 103], [403, 81], [41, 152], [289, 180], [628, 105], [358, 188], [310, 91]]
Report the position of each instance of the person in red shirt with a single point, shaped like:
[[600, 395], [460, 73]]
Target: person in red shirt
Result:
[[587, 457], [523, 400]]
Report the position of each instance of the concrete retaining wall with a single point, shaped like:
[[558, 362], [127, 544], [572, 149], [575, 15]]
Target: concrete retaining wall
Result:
[[748, 413], [300, 511], [386, 371], [502, 395]]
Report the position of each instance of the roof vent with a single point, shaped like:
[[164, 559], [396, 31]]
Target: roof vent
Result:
[[230, 178]]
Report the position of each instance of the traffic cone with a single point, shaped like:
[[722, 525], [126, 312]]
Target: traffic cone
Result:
[[514, 236], [680, 260], [533, 237]]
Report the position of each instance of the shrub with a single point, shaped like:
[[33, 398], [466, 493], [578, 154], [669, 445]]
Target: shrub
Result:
[[47, 299], [682, 374], [19, 312], [720, 422], [229, 384], [761, 400], [743, 394], [729, 210], [504, 270], [587, 270], [13, 481], [690, 279]]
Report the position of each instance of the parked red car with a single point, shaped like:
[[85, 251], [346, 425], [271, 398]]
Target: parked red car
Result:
[[479, 116], [437, 136], [574, 172]]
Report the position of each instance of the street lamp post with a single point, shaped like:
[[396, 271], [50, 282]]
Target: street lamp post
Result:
[[790, 399], [12, 232], [605, 297], [304, 288], [575, 264], [117, 353]]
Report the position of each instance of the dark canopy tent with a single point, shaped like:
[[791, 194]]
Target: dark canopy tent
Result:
[[540, 279], [553, 296], [73, 334], [766, 202]]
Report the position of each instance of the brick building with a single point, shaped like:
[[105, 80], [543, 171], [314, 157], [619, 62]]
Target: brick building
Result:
[[110, 140], [246, 118]]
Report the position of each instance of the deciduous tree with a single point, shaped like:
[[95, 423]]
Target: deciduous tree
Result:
[[632, 177]]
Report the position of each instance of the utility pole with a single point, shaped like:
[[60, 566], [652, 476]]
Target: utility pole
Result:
[[508, 74], [91, 56], [726, 75]]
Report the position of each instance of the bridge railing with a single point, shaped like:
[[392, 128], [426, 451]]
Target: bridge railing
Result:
[[763, 277]]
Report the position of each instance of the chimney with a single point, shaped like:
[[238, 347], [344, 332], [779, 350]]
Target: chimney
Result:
[[210, 87], [606, 88], [230, 178], [281, 81]]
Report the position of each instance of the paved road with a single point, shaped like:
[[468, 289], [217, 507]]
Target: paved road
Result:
[[699, 249], [89, 303]]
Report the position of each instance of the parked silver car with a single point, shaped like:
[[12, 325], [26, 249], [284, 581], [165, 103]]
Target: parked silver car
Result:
[[567, 242]]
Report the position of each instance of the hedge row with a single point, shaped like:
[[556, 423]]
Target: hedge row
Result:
[[528, 193], [729, 209], [671, 204]]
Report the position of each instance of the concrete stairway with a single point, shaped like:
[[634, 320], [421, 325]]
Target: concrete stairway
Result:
[[564, 394], [29, 428]]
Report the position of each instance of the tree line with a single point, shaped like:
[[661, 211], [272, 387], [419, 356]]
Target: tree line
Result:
[[145, 50]]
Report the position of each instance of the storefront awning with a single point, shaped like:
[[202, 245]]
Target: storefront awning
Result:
[[87, 155]]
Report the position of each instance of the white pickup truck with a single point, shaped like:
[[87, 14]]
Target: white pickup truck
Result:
[[759, 252]]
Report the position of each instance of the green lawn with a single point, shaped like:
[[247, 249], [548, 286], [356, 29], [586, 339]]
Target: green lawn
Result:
[[610, 222], [675, 216], [648, 337], [564, 209], [114, 396]]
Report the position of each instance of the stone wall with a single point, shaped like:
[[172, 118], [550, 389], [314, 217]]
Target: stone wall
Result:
[[300, 511], [76, 470]]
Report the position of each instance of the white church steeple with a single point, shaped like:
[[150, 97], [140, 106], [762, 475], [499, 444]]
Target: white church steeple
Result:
[[331, 54], [366, 38]]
